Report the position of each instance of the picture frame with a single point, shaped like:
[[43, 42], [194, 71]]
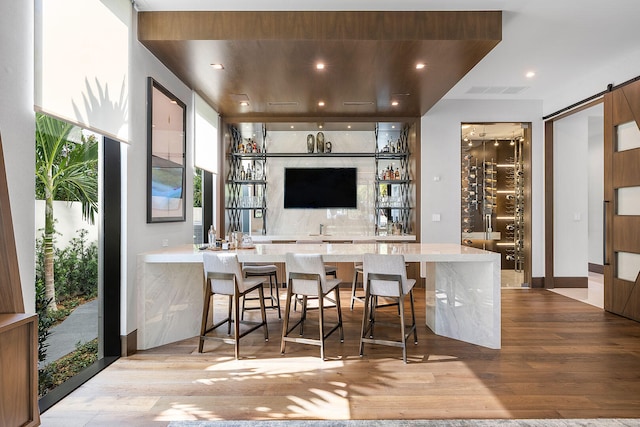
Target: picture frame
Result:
[[166, 155]]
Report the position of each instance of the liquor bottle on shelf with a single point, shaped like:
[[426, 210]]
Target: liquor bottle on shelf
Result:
[[211, 237]]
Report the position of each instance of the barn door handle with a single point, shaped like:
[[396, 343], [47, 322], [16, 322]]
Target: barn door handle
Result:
[[605, 205]]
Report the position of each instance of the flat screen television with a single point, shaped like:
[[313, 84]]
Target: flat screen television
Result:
[[317, 188]]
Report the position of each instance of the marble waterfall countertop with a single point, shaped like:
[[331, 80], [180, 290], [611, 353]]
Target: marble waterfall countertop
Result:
[[335, 237], [332, 252], [462, 286]]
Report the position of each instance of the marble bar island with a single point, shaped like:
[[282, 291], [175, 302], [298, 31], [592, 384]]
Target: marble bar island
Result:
[[462, 286]]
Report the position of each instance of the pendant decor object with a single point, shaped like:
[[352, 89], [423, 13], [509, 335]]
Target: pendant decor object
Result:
[[327, 147], [320, 142], [311, 142]]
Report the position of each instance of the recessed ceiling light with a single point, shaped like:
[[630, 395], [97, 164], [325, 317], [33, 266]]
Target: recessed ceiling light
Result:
[[394, 103], [530, 74], [420, 66], [320, 126], [320, 103], [320, 66], [217, 66], [244, 103], [348, 126], [393, 126], [291, 126]]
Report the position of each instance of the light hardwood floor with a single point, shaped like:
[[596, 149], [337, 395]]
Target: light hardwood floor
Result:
[[560, 358]]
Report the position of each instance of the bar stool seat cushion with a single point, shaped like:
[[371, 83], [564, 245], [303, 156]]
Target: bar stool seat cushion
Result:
[[259, 268]]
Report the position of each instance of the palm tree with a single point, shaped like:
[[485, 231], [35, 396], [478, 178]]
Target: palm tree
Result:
[[65, 170]]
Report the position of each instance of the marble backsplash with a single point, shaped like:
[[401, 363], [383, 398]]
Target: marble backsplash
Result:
[[360, 221]]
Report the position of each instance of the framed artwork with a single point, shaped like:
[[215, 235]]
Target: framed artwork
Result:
[[166, 146]]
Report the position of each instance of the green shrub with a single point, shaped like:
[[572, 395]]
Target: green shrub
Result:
[[76, 276], [66, 367], [44, 323], [75, 268]]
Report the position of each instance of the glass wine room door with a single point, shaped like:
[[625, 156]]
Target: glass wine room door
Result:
[[495, 192]]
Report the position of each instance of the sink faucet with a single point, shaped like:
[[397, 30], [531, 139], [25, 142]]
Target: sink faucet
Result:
[[321, 229]]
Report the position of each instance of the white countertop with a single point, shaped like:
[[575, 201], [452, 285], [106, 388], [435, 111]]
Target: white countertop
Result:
[[332, 252], [337, 237], [462, 286]]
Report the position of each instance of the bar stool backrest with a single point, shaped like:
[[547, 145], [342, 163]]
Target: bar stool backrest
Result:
[[386, 264], [307, 264], [223, 263]]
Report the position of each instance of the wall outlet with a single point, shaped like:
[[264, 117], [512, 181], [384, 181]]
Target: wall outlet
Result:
[[435, 217], [165, 243]]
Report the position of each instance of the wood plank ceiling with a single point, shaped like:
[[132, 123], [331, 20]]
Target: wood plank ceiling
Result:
[[370, 59]]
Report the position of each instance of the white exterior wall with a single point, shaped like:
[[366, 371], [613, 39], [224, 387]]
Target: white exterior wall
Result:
[[68, 221]]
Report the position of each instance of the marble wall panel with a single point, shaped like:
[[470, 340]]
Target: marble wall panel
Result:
[[307, 221]]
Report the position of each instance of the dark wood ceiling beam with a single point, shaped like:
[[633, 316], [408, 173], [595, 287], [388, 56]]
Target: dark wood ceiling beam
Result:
[[269, 58], [435, 25]]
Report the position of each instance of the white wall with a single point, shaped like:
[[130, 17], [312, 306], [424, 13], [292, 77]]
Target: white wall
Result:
[[578, 191], [596, 186], [17, 125], [570, 196], [593, 80], [138, 236], [440, 159]]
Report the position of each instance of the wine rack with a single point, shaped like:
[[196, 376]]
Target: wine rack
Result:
[[492, 206], [245, 193], [392, 183]]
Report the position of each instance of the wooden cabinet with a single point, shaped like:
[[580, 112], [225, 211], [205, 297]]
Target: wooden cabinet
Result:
[[18, 370], [18, 331]]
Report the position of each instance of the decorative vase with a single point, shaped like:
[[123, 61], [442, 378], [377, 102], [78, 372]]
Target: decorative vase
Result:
[[327, 147], [311, 142], [320, 142]]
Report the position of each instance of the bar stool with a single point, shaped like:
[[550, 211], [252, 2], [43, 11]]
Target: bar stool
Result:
[[329, 270], [307, 278], [357, 269], [223, 275], [263, 270], [386, 276]]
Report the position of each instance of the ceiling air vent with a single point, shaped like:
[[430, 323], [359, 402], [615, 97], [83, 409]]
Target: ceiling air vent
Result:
[[282, 103], [496, 90], [356, 103]]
